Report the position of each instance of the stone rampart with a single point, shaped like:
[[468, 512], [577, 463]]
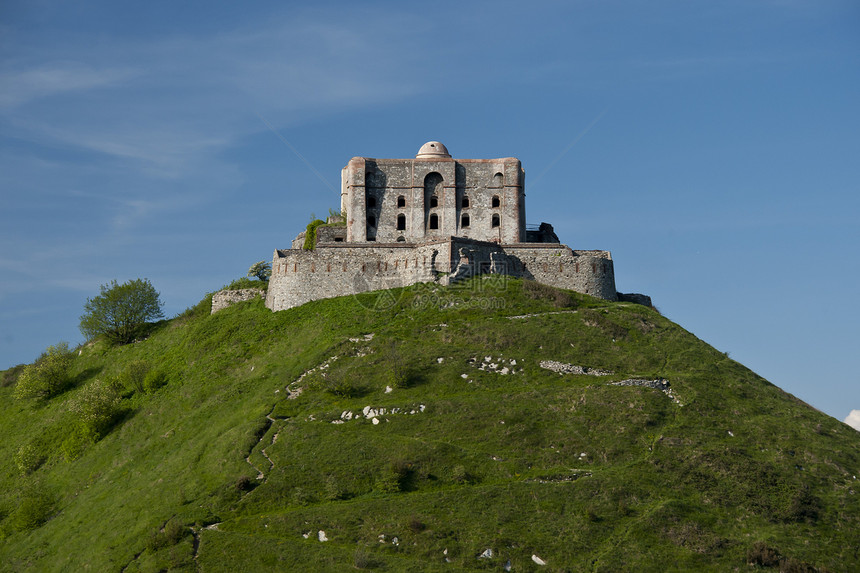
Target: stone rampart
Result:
[[341, 269]]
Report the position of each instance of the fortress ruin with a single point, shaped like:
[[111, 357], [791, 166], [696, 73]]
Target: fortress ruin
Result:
[[432, 218]]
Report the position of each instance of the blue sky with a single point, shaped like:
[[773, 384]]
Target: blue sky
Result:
[[712, 147]]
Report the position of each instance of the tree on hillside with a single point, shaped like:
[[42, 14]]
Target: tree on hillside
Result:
[[47, 376], [121, 310], [261, 270]]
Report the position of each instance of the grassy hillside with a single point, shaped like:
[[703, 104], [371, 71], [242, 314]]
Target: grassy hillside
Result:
[[414, 430]]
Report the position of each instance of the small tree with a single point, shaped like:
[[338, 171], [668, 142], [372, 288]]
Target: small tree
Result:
[[121, 310], [261, 270], [46, 377]]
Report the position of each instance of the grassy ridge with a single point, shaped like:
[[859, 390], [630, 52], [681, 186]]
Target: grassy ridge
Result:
[[580, 473]]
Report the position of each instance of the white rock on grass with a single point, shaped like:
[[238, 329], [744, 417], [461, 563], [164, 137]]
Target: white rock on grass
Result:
[[487, 554], [306, 535], [375, 421], [321, 535], [538, 560], [389, 389], [508, 565]]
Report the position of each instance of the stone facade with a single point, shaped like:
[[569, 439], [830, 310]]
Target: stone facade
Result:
[[431, 218]]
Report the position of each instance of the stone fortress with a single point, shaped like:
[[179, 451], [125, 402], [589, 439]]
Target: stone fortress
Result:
[[431, 219]]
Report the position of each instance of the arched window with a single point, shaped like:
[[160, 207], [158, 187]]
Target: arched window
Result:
[[465, 202], [401, 222], [371, 202], [496, 221], [464, 221], [496, 201], [498, 179], [434, 201], [434, 221], [401, 201], [401, 239]]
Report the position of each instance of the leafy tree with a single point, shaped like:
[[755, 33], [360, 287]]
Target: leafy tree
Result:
[[121, 310], [47, 376], [261, 270]]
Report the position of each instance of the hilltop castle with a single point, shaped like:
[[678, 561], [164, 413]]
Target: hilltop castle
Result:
[[431, 218]]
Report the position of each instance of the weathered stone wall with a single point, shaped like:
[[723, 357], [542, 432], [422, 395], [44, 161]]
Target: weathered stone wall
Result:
[[415, 200], [335, 270], [224, 298]]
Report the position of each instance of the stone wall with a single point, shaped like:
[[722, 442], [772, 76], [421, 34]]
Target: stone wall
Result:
[[224, 298], [416, 200], [336, 270]]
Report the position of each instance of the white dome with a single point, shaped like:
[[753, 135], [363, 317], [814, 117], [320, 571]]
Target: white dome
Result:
[[432, 149]]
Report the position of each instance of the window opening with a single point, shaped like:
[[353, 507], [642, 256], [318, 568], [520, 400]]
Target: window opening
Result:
[[434, 221], [495, 221], [464, 222], [371, 202], [371, 221], [401, 222], [465, 202], [496, 201], [401, 201], [434, 201]]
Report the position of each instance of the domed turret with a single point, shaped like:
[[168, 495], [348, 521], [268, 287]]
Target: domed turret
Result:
[[432, 150]]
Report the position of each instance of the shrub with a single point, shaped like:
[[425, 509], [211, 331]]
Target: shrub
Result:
[[154, 380], [134, 376], [76, 442], [311, 234], [34, 508], [398, 376], [120, 311], [97, 407], [46, 377], [172, 533], [29, 458]]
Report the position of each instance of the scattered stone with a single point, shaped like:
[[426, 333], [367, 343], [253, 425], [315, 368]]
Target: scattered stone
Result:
[[440, 360], [389, 389], [321, 535], [375, 421], [382, 538], [508, 565], [487, 554], [563, 368], [504, 370], [306, 535], [395, 541], [731, 434], [337, 422], [659, 384], [538, 560], [464, 376]]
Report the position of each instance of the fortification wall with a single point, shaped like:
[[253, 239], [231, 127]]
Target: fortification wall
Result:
[[301, 276]]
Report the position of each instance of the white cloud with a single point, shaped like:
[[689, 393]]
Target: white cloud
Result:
[[853, 419]]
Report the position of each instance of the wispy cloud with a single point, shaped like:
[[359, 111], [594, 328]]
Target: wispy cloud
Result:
[[20, 87]]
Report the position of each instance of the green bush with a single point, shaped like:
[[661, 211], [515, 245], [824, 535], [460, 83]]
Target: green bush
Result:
[[76, 442], [29, 458], [154, 380], [97, 407], [134, 375], [46, 377], [311, 234], [35, 506]]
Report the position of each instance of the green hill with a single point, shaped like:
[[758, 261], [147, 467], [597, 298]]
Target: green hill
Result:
[[417, 430]]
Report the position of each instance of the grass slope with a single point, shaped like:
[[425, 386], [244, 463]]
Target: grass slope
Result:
[[247, 453]]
